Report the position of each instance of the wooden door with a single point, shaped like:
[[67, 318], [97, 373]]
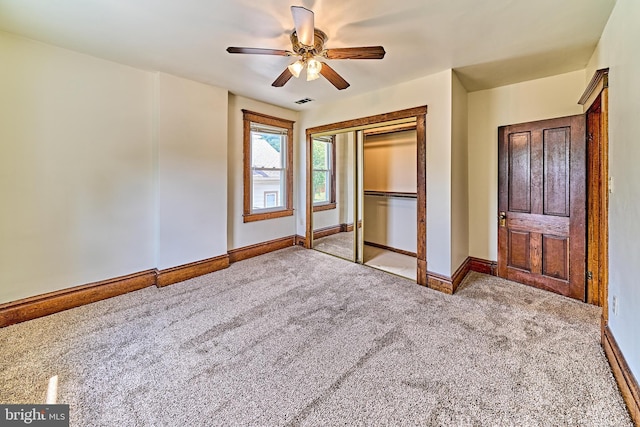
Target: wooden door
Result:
[[542, 204]]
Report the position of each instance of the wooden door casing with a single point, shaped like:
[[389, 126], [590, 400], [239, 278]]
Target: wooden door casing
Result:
[[542, 191], [595, 189]]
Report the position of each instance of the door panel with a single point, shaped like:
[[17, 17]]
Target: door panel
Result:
[[519, 172], [541, 181], [519, 244], [556, 168], [555, 251]]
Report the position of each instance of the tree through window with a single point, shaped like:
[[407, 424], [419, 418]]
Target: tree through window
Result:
[[324, 176]]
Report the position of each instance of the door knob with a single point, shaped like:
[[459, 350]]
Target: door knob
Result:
[[503, 219]]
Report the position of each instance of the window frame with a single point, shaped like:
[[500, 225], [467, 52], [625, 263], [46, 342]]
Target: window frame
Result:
[[248, 118], [331, 204]]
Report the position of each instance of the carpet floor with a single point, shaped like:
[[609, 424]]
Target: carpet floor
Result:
[[339, 244], [297, 337]]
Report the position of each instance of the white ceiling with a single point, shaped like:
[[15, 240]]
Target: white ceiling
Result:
[[489, 42]]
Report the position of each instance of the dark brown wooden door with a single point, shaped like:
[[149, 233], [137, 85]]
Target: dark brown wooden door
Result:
[[541, 198]]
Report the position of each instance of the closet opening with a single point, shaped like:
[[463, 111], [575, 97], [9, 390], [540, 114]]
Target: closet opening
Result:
[[366, 191]]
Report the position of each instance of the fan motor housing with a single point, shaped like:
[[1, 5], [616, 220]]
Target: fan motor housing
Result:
[[319, 38]]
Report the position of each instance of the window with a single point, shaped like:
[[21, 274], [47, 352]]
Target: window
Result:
[[270, 199], [268, 171], [324, 173]]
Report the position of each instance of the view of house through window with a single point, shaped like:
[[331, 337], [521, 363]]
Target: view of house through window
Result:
[[268, 167]]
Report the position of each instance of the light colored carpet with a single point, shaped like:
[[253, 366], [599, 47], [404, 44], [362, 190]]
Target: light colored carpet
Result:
[[339, 244], [297, 337]]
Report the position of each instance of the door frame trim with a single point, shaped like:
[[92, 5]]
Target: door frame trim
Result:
[[597, 184], [420, 114]]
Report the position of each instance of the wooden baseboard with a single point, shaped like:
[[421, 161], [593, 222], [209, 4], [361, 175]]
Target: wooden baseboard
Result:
[[345, 228], [53, 302], [251, 251], [439, 282], [334, 229], [460, 273], [422, 273], [300, 240], [449, 285], [482, 265], [184, 272], [624, 377], [389, 248], [327, 231]]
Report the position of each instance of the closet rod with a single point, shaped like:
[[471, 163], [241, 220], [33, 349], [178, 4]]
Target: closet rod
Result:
[[394, 194]]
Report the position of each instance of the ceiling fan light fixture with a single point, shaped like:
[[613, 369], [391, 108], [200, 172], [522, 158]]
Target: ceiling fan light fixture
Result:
[[296, 68], [313, 69], [307, 44]]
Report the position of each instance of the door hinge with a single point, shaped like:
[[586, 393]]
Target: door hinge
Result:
[[589, 275]]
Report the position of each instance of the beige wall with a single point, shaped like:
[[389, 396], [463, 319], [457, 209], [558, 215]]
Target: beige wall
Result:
[[75, 169], [391, 222], [105, 169], [540, 99], [389, 162], [240, 234], [389, 165], [618, 50], [345, 176], [459, 175], [434, 91], [191, 171]]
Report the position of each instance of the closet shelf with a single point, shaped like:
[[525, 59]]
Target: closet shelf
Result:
[[391, 194]]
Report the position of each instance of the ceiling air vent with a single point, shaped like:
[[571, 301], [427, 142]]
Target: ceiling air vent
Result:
[[304, 100]]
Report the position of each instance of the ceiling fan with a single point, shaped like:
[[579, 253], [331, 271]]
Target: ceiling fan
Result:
[[307, 43]]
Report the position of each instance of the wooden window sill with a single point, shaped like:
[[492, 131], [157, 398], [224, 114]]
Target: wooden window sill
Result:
[[325, 207], [267, 215]]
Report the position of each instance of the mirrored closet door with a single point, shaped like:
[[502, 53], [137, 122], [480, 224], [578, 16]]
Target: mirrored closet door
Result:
[[333, 189]]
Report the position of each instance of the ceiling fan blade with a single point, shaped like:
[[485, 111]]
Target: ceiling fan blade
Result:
[[259, 51], [282, 78], [303, 20], [335, 78], [369, 52]]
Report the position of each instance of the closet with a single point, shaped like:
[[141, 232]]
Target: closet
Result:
[[389, 199], [364, 197]]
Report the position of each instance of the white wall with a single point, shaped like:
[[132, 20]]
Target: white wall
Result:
[[434, 91], [540, 99], [618, 50], [459, 175], [75, 169], [191, 171], [240, 234]]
